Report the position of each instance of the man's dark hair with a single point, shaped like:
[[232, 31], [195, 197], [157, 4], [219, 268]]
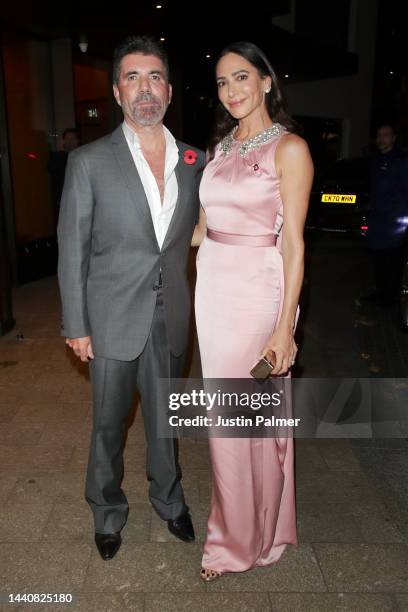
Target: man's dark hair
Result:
[[146, 45], [387, 125]]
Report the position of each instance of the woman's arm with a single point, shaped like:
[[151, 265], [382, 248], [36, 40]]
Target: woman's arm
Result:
[[295, 168], [200, 229]]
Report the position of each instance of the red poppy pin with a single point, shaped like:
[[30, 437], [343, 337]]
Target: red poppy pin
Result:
[[190, 157]]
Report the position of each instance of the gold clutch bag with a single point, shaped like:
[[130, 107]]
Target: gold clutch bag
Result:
[[263, 368]]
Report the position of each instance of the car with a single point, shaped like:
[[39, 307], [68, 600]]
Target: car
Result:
[[403, 294], [339, 200]]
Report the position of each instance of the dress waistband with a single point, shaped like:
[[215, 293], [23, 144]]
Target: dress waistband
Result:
[[242, 239]]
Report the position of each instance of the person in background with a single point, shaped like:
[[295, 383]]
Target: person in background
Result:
[[388, 216], [57, 164]]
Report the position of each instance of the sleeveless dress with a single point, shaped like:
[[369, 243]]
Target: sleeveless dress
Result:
[[238, 303]]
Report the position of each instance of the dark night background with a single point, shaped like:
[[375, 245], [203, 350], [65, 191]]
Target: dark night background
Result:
[[343, 64]]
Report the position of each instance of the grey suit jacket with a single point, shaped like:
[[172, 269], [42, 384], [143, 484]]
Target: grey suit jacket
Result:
[[109, 259]]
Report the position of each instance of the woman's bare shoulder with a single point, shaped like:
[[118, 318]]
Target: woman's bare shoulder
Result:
[[292, 144]]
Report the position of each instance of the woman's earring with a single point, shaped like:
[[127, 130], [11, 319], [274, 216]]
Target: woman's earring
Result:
[[267, 90]]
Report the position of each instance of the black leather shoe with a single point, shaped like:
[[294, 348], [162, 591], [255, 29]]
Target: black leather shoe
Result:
[[108, 544], [182, 528]]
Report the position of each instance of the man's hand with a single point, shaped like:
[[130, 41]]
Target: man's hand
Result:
[[82, 347]]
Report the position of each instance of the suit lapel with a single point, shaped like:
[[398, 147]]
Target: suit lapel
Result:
[[135, 185], [182, 172], [132, 178]]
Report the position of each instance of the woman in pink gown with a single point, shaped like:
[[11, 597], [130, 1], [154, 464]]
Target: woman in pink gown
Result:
[[248, 285]]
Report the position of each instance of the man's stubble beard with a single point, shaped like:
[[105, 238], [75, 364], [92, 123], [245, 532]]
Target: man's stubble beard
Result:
[[148, 118], [149, 115]]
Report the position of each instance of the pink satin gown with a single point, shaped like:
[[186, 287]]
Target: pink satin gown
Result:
[[238, 302]]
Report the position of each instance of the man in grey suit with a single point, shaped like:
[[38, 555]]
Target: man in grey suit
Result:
[[128, 210]]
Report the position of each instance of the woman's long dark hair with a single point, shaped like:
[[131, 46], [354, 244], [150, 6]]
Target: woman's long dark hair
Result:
[[275, 101]]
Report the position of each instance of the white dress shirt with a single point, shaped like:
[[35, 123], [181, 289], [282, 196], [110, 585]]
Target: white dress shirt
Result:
[[161, 213]]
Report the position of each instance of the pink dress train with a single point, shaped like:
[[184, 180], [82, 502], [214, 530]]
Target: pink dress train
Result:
[[238, 303]]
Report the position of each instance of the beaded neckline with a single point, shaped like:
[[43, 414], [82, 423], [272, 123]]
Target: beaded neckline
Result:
[[252, 143]]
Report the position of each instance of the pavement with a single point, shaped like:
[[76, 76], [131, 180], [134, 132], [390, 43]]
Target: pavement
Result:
[[352, 527]]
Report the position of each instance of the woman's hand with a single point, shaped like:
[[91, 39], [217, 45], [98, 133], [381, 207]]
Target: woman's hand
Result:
[[283, 344], [200, 229]]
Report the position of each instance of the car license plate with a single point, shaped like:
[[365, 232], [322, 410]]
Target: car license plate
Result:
[[339, 198]]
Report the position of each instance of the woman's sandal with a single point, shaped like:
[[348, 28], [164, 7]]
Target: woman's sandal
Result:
[[208, 575]]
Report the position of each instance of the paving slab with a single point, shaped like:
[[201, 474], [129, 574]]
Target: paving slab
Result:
[[70, 522], [44, 487], [40, 567], [331, 602], [41, 457], [331, 522], [7, 483], [402, 602], [22, 434], [148, 568], [337, 486], [340, 456], [56, 411], [363, 568], [23, 522], [376, 524], [208, 602]]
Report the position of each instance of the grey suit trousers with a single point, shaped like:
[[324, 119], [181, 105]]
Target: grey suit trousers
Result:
[[113, 385]]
